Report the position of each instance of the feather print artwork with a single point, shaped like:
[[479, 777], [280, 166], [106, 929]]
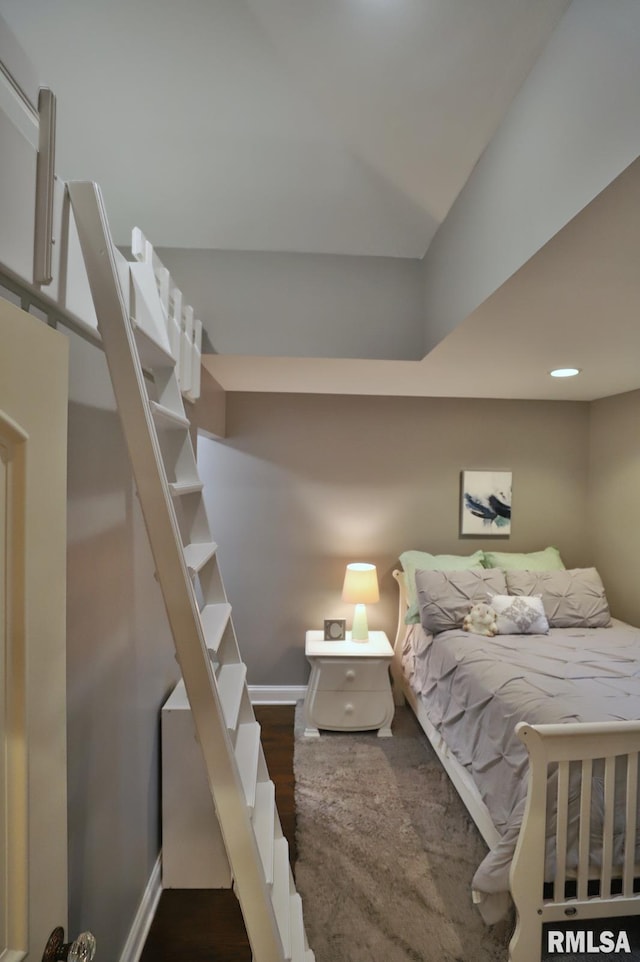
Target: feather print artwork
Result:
[[486, 503]]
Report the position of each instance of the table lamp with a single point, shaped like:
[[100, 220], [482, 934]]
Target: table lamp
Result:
[[360, 588]]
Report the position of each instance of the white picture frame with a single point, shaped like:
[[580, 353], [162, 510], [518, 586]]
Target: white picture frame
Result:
[[335, 629], [485, 504]]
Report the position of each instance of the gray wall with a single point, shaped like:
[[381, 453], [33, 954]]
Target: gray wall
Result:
[[613, 506], [304, 483], [571, 130], [120, 667], [303, 305]]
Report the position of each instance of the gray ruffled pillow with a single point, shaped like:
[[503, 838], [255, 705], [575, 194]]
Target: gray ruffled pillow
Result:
[[574, 598], [445, 597]]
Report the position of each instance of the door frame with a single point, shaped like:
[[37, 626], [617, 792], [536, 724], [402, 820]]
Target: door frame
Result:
[[33, 795]]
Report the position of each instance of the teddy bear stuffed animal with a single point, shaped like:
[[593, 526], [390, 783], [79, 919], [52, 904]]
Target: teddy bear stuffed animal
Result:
[[481, 620]]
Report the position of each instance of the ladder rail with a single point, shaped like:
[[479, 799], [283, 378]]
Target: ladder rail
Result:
[[180, 602]]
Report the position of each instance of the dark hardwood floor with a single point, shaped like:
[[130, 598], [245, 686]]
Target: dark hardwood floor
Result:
[[206, 925]]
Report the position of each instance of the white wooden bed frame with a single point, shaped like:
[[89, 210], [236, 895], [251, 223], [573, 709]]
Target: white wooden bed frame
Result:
[[549, 745]]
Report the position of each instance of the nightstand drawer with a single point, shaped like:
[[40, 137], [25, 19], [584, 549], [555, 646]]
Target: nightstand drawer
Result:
[[349, 711], [341, 675]]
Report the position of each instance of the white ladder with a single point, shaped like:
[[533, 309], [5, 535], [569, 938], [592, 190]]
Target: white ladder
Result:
[[144, 374]]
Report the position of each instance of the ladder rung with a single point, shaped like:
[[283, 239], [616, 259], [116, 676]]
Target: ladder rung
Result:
[[231, 687], [280, 895], [214, 621], [296, 926], [196, 555], [151, 353], [247, 751], [180, 488], [263, 825], [165, 417]]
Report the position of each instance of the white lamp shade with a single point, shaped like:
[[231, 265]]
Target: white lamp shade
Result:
[[360, 584]]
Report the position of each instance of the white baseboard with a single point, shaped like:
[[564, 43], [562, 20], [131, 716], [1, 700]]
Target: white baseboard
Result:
[[277, 694], [144, 916]]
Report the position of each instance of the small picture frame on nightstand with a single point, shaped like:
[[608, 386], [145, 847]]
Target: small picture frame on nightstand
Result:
[[335, 629]]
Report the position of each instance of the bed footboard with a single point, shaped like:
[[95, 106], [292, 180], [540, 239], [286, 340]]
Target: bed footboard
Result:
[[583, 785]]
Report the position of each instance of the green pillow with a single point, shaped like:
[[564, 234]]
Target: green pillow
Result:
[[547, 560], [413, 561]]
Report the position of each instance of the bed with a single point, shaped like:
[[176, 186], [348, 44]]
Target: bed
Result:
[[538, 732]]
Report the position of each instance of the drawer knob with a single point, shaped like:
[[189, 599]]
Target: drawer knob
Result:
[[348, 709], [350, 674]]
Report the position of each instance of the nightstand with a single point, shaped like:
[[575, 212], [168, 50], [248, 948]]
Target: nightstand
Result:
[[349, 688]]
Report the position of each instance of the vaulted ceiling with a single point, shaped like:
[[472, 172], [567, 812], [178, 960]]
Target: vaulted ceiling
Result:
[[341, 127], [331, 126]]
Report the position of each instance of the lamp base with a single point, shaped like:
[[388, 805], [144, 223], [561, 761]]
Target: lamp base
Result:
[[360, 628]]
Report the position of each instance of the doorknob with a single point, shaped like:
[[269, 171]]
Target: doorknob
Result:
[[82, 949]]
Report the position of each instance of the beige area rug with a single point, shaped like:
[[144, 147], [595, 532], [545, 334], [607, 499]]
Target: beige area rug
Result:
[[386, 852]]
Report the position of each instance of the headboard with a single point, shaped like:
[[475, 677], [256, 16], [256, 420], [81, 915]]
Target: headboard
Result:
[[401, 631]]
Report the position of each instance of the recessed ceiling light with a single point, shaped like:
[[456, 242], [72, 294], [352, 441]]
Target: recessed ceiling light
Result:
[[565, 372]]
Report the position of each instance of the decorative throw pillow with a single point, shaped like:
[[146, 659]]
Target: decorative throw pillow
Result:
[[574, 598], [445, 597], [520, 615], [413, 561], [547, 560]]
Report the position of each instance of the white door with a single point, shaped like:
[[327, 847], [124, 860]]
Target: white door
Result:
[[33, 806]]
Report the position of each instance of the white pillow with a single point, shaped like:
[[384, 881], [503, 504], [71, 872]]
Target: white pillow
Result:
[[520, 615]]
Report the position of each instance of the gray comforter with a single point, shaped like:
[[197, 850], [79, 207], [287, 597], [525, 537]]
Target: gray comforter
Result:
[[476, 689]]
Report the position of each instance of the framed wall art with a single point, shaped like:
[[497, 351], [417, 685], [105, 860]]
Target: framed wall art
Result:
[[485, 503]]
